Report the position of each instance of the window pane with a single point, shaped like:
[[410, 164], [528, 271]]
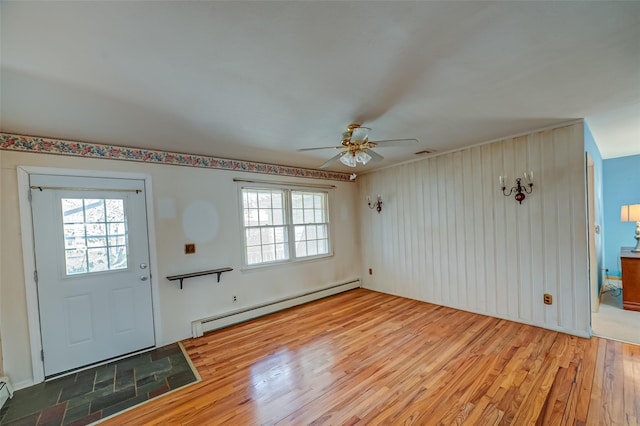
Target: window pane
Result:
[[301, 249], [264, 200], [296, 200], [278, 217], [267, 236], [254, 255], [95, 235], [115, 210], [75, 261], [98, 229], [319, 216], [309, 216], [323, 247], [268, 253], [282, 251], [118, 257], [72, 211], [312, 248], [298, 216], [97, 259], [96, 242], [308, 201], [253, 237], [311, 232], [321, 231], [94, 210], [280, 235], [276, 200]]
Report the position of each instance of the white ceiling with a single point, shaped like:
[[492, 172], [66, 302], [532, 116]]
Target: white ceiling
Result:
[[258, 80]]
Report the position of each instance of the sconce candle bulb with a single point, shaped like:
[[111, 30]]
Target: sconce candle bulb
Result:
[[520, 188]]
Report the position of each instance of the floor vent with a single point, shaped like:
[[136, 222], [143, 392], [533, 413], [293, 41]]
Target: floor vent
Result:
[[201, 326]]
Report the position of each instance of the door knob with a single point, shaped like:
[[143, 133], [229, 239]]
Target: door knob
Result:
[[143, 266], [143, 277]]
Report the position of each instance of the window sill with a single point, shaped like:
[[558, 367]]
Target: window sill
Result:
[[295, 262]]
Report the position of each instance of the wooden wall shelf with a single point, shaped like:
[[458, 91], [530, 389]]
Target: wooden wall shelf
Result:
[[182, 277]]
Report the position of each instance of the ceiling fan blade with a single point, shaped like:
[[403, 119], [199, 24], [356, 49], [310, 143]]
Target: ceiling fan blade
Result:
[[331, 160], [322, 147], [398, 142], [374, 155]]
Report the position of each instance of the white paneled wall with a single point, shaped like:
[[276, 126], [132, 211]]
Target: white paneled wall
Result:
[[447, 235]]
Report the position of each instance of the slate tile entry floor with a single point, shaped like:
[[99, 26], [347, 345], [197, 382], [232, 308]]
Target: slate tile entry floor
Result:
[[91, 395]]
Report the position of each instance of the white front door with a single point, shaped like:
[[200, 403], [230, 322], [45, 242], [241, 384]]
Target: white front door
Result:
[[92, 261]]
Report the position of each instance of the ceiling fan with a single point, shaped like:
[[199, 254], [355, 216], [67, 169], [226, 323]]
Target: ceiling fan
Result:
[[356, 147]]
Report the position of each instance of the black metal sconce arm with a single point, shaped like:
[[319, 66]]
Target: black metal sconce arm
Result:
[[519, 189]]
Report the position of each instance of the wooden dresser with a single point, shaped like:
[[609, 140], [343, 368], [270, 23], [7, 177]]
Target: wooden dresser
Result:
[[630, 262]]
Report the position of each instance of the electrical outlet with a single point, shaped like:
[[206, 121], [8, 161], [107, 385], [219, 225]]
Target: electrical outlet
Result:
[[235, 298], [370, 271], [547, 299], [189, 248]]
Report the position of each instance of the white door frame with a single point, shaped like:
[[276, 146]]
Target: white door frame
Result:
[[29, 262]]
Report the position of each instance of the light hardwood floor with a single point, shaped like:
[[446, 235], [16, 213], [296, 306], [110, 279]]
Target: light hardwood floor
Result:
[[364, 357]]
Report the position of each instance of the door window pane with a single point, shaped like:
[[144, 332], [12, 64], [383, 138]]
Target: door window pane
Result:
[[95, 235]]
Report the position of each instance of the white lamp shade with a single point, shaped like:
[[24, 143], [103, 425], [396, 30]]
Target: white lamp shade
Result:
[[630, 213]]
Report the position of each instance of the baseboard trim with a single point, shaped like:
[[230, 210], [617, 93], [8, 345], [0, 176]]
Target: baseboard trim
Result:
[[203, 325]]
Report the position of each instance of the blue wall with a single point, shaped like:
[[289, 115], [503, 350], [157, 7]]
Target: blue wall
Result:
[[621, 186], [591, 148]]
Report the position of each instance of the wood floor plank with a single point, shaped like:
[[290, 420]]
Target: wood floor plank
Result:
[[364, 357]]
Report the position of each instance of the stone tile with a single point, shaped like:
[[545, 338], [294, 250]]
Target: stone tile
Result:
[[104, 384], [124, 405], [155, 367], [53, 414], [180, 379], [105, 372], [75, 413], [145, 380], [88, 397], [25, 404], [149, 387], [124, 379], [31, 420], [78, 388], [158, 391], [133, 362], [115, 398], [87, 420], [165, 351]]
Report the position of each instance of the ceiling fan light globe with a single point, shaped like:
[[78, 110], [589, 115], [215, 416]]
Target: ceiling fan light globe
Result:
[[362, 157], [348, 160]]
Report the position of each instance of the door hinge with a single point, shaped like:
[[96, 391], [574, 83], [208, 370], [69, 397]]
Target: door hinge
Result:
[[35, 276], [42, 355]]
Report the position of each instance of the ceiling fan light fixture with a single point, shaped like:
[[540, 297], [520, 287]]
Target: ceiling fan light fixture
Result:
[[348, 159], [362, 157]]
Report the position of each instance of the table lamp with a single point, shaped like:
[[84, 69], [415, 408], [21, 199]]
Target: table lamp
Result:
[[631, 213]]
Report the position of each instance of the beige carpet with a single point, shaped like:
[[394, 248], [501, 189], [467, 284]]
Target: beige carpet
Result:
[[613, 322]]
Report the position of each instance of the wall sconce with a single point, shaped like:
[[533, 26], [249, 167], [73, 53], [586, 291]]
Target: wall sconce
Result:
[[631, 213], [519, 188], [376, 204]]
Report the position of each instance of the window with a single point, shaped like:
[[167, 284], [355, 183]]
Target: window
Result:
[[282, 225], [95, 235]]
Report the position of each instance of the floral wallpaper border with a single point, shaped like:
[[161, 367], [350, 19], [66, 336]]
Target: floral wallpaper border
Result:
[[11, 142]]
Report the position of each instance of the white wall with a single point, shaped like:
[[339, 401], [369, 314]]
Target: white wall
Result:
[[447, 235], [202, 296]]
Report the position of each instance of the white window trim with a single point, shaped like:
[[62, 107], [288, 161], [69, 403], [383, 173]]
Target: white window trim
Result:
[[328, 190]]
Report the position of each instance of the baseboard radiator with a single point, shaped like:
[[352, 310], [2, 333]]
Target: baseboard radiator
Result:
[[201, 326], [6, 391]]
